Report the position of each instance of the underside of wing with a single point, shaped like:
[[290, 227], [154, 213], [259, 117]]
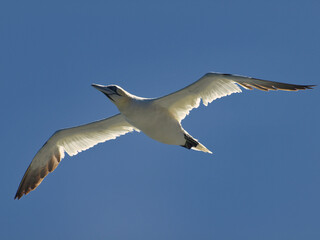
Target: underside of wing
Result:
[[71, 140], [216, 85]]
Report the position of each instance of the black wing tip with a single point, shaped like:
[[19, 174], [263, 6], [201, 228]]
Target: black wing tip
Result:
[[300, 87], [310, 86], [21, 192], [291, 87], [18, 195], [296, 87]]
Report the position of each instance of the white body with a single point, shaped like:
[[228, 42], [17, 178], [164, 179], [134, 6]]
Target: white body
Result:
[[158, 118], [154, 120]]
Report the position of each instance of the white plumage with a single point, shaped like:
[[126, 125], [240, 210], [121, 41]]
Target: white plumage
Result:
[[159, 118]]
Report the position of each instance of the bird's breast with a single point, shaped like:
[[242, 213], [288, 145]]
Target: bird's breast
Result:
[[156, 122]]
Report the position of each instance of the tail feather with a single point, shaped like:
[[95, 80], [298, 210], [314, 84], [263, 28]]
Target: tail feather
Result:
[[192, 143], [202, 148]]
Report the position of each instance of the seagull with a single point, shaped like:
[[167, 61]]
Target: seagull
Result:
[[159, 118]]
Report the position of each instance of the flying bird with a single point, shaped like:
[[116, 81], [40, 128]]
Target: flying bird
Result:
[[159, 118]]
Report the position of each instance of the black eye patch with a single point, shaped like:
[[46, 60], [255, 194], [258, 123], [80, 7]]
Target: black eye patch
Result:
[[114, 89]]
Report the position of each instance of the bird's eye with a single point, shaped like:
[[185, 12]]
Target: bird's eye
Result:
[[114, 89]]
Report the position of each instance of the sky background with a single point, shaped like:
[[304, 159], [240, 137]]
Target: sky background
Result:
[[262, 181]]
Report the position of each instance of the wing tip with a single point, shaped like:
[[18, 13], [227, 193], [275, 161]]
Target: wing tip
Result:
[[295, 88], [28, 186], [16, 196], [282, 87], [33, 177], [309, 86], [249, 86], [21, 192]]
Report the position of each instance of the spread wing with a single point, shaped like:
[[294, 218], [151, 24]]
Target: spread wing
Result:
[[216, 85], [71, 140]]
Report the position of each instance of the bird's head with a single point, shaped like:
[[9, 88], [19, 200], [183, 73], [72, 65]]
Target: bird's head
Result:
[[115, 93]]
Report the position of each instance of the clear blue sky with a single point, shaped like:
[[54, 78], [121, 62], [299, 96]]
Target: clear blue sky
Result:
[[262, 181]]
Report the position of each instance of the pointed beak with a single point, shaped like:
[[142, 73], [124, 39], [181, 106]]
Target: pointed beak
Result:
[[102, 88], [105, 90]]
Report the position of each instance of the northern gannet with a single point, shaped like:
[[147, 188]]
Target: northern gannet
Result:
[[159, 118]]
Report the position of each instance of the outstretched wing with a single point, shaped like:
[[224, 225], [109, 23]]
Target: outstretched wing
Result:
[[216, 85], [71, 140]]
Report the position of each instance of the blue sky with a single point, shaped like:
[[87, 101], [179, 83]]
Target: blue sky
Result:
[[262, 181]]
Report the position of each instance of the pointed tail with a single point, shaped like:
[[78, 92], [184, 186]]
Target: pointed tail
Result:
[[202, 148], [192, 143]]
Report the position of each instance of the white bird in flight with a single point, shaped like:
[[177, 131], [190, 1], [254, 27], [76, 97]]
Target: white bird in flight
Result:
[[159, 118]]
